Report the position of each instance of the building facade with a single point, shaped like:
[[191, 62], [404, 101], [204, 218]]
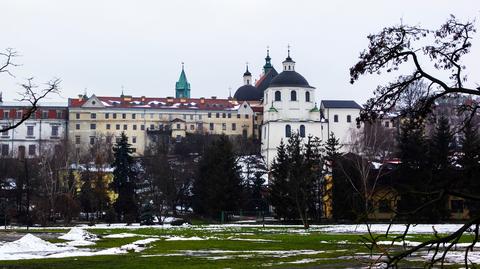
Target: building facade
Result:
[[45, 130], [103, 117]]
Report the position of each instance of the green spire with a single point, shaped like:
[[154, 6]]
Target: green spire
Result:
[[182, 87], [315, 109], [268, 64], [272, 108]]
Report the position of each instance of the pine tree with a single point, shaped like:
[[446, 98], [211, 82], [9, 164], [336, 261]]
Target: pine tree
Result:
[[124, 180], [218, 186]]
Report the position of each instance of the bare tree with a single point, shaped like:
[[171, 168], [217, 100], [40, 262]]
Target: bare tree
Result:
[[395, 46], [372, 147], [445, 47], [31, 93]]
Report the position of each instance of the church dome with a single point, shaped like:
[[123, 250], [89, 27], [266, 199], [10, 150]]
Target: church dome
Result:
[[289, 79], [247, 93]]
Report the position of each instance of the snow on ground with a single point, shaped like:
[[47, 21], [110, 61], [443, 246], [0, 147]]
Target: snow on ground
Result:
[[79, 237], [180, 238], [124, 235], [139, 245], [32, 247], [382, 228]]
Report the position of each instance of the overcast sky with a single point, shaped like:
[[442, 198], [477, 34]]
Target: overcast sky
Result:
[[101, 46]]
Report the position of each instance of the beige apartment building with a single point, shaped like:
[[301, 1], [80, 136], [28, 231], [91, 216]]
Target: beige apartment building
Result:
[[103, 117]]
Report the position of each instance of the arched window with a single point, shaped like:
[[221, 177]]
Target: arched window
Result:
[[293, 96], [288, 131], [278, 96], [302, 130], [349, 118], [307, 97]]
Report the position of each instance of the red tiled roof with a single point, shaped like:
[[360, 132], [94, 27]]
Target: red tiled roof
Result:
[[161, 103]]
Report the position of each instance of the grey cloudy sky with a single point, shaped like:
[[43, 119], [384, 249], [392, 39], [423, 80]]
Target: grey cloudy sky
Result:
[[102, 45]]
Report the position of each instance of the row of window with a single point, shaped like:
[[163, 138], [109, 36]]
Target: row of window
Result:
[[31, 130], [19, 114], [32, 150], [288, 130], [108, 139], [335, 118], [293, 96], [133, 116]]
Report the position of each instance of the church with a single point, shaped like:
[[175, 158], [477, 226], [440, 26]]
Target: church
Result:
[[289, 106]]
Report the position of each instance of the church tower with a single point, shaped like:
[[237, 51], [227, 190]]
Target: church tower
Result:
[[289, 107], [182, 87]]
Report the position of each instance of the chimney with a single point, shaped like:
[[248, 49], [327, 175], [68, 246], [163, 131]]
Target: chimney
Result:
[[142, 98], [170, 99], [80, 97], [202, 100], [214, 97]]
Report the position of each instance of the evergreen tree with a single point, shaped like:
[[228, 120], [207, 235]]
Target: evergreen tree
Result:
[[218, 186], [470, 163], [441, 145], [124, 180], [296, 172], [279, 185], [422, 173]]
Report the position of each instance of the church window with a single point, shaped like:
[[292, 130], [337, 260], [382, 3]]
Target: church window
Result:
[[288, 130], [307, 96], [349, 118], [278, 96], [335, 118], [302, 130], [293, 96]]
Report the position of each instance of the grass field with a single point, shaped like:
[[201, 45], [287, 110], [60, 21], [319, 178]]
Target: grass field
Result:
[[218, 247]]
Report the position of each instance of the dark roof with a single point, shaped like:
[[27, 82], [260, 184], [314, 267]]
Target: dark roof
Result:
[[340, 104], [248, 93], [289, 78], [263, 83]]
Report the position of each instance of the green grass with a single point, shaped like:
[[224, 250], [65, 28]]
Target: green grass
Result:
[[329, 250]]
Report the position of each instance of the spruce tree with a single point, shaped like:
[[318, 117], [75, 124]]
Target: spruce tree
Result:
[[470, 163], [441, 145], [218, 186], [278, 185], [124, 180]]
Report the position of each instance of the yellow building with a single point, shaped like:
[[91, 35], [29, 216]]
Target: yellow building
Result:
[[106, 117]]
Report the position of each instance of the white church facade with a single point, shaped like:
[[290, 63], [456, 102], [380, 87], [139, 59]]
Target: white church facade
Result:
[[289, 106]]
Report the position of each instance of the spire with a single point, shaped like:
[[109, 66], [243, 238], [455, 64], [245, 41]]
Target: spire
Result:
[[247, 77], [182, 87], [288, 64], [268, 64], [122, 92]]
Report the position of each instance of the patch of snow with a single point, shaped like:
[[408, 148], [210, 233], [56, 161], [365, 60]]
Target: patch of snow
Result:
[[123, 235], [79, 237], [138, 245], [180, 238]]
